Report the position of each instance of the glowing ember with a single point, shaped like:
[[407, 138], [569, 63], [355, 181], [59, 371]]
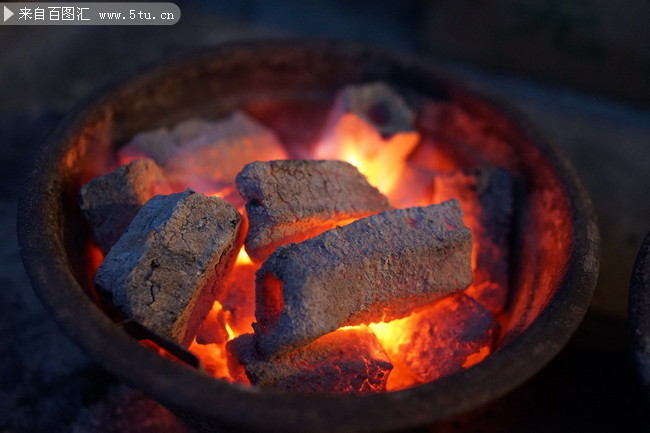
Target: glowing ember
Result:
[[242, 258], [372, 128], [238, 299], [213, 328], [214, 359], [192, 154], [366, 150], [486, 198], [347, 361], [166, 270], [378, 268], [292, 201], [455, 333]]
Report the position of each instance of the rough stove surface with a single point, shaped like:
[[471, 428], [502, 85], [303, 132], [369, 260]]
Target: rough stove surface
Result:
[[166, 271], [376, 269]]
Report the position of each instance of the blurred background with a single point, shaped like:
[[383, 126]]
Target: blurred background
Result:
[[580, 69]]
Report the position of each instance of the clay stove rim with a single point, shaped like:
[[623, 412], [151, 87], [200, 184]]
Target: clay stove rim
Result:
[[639, 313], [192, 394]]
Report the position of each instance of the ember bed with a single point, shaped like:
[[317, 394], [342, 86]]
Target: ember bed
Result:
[[289, 87]]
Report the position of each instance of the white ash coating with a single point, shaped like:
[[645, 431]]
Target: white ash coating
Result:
[[168, 268]]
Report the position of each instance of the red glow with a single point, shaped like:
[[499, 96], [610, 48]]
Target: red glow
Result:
[[403, 167]]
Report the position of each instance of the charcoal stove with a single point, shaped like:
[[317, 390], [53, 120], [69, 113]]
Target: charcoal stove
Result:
[[556, 240], [639, 310]]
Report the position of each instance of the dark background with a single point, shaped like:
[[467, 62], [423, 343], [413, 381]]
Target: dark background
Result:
[[579, 68]]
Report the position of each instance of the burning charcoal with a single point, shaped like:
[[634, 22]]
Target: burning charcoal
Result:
[[346, 361], [206, 156], [162, 144], [110, 202], [290, 201], [212, 160], [486, 197], [167, 269], [376, 269], [371, 126], [455, 333]]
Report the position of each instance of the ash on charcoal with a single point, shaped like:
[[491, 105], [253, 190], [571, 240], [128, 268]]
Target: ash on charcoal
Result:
[[110, 202], [486, 197], [373, 125], [455, 333], [162, 144], [376, 269], [167, 269], [213, 159], [290, 201], [206, 156], [346, 361]]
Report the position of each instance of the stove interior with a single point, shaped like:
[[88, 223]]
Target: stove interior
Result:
[[417, 148]]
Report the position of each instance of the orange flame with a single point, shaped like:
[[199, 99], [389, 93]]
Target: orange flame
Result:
[[381, 160], [242, 258]]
